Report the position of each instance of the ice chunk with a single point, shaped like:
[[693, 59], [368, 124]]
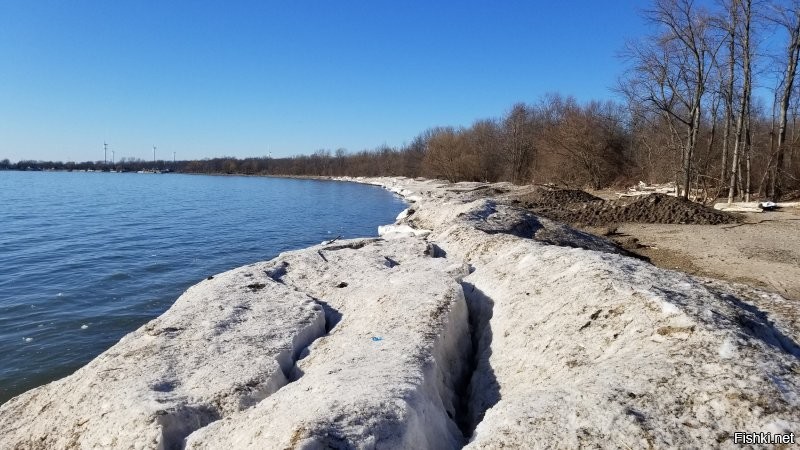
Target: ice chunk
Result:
[[400, 231], [403, 214]]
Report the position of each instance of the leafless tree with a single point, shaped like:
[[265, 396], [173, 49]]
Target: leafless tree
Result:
[[671, 69], [729, 23], [518, 142], [584, 144], [785, 14], [743, 10]]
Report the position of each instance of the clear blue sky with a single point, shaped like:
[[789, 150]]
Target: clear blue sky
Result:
[[243, 78]]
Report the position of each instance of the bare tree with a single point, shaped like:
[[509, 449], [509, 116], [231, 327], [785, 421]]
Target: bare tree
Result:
[[743, 9], [786, 15], [585, 144], [729, 23], [444, 158], [671, 70], [483, 138], [518, 142]]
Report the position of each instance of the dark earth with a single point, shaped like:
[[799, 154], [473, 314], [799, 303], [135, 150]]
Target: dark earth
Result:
[[581, 209]]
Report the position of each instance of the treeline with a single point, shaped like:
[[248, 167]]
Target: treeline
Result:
[[124, 164], [687, 115], [556, 140]]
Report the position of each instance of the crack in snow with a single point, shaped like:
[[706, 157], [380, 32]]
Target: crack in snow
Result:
[[178, 425], [479, 390]]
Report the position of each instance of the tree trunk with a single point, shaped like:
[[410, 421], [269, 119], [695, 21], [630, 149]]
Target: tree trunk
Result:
[[793, 52], [728, 95], [713, 132], [748, 146], [692, 143], [744, 104]]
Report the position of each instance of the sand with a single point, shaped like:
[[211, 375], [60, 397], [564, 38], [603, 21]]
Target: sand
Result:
[[763, 251]]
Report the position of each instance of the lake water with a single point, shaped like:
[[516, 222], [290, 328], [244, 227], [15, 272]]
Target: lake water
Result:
[[87, 257]]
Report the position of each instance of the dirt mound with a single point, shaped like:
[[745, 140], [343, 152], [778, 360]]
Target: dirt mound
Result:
[[559, 197], [661, 208], [567, 206]]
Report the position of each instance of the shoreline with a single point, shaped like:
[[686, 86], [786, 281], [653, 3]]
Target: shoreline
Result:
[[123, 284], [466, 323]]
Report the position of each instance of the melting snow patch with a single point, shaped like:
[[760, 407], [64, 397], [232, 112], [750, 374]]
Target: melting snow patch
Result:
[[669, 308], [780, 426], [728, 349], [400, 231]]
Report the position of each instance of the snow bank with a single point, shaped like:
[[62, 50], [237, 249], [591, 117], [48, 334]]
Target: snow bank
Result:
[[469, 323], [595, 349], [387, 371], [583, 346], [225, 344]]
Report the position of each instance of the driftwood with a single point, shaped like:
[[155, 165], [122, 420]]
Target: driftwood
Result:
[[738, 207], [753, 206], [643, 189]]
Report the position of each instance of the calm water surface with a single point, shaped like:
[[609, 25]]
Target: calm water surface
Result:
[[88, 257]]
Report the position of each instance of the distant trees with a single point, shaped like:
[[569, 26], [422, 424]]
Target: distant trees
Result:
[[483, 138], [447, 154], [585, 145], [519, 130], [556, 140], [688, 115]]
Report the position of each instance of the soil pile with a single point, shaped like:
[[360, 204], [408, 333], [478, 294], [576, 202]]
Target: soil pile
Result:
[[661, 208], [581, 208], [559, 197]]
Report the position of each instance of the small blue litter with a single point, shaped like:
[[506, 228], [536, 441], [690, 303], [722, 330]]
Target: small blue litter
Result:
[[376, 338]]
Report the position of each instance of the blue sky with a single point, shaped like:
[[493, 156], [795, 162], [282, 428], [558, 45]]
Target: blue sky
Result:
[[244, 78]]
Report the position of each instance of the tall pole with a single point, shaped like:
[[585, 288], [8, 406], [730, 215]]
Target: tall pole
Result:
[[112, 159], [105, 153], [154, 156]]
